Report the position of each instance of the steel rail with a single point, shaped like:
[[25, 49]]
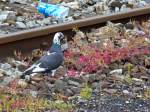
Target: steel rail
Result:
[[31, 33]]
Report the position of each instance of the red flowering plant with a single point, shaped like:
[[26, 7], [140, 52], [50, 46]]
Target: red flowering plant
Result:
[[87, 57]]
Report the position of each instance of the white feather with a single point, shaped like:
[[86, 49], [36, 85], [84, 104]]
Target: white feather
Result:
[[33, 74], [30, 67], [48, 53], [38, 69]]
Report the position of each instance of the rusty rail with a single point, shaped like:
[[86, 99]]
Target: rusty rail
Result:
[[30, 39]]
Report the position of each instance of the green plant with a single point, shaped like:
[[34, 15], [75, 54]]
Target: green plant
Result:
[[86, 92], [14, 102]]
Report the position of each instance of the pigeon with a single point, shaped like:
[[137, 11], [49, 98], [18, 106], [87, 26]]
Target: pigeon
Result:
[[50, 62]]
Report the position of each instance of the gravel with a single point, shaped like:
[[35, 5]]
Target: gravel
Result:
[[21, 15]]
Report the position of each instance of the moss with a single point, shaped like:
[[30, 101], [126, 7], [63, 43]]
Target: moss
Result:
[[86, 92]]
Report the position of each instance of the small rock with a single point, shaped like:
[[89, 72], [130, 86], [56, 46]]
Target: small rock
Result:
[[138, 80], [37, 78], [7, 80], [96, 85], [2, 71], [22, 83], [31, 24], [34, 93], [127, 102], [126, 92], [129, 26], [100, 7], [118, 77], [20, 19], [60, 86], [74, 5], [19, 1], [137, 89], [10, 72], [144, 78], [110, 91], [45, 21], [115, 3], [5, 66], [74, 83], [1, 75], [3, 17], [75, 90], [69, 92], [20, 25], [147, 61], [117, 71]]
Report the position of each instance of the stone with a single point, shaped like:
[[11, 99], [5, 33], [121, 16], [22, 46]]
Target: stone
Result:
[[142, 3], [34, 93], [77, 15], [115, 3], [137, 80], [45, 21], [68, 19], [75, 90], [118, 77], [117, 71], [100, 7], [126, 92], [20, 25], [20, 19], [2, 32], [5, 66], [2, 71], [137, 89], [6, 81], [129, 26], [60, 86], [37, 78], [96, 85], [19, 1], [32, 24], [123, 8], [74, 5], [74, 83], [3, 16], [69, 92], [22, 83], [93, 77], [110, 91], [147, 61]]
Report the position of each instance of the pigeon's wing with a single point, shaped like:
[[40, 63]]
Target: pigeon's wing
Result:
[[51, 61], [31, 68], [48, 62]]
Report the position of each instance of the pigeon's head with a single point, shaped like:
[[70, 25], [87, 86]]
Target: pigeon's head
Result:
[[58, 37]]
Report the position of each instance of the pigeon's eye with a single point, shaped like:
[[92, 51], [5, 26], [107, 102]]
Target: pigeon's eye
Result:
[[59, 36]]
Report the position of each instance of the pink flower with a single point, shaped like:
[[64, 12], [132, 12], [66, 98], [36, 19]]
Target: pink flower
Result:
[[72, 73], [107, 58], [68, 54]]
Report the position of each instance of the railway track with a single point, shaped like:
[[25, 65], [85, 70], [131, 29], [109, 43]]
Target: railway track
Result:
[[28, 40]]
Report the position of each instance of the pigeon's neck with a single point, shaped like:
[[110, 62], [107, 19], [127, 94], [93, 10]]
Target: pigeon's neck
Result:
[[55, 48]]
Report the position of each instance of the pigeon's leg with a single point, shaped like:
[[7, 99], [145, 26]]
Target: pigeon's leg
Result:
[[53, 73]]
